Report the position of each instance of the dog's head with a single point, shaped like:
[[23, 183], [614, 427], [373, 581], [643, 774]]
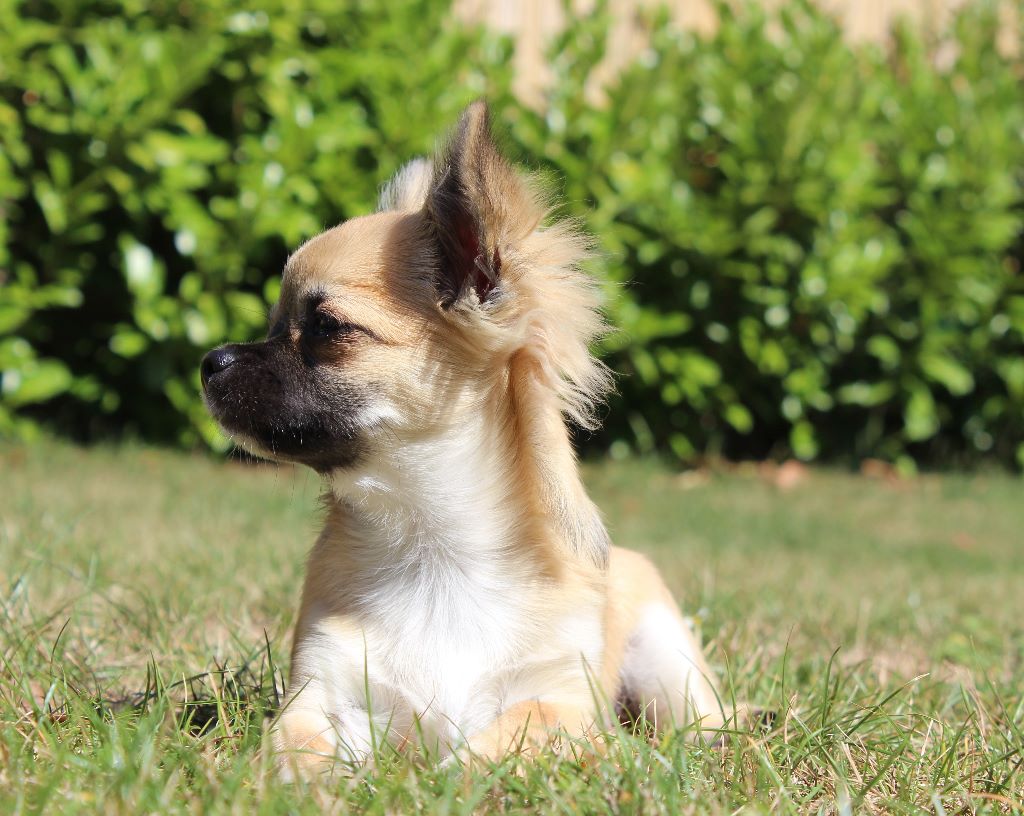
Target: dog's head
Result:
[[391, 326]]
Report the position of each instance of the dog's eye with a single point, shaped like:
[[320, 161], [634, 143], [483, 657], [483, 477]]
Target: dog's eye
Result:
[[321, 326]]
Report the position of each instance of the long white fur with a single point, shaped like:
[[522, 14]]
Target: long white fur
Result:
[[408, 189], [662, 668], [441, 644]]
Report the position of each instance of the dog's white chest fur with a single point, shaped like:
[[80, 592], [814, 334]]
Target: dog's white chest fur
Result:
[[430, 649], [442, 628], [437, 655]]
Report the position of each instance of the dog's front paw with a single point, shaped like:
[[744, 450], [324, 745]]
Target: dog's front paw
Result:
[[302, 765], [305, 746]]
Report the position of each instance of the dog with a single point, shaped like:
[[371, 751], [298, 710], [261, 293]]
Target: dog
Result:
[[463, 595]]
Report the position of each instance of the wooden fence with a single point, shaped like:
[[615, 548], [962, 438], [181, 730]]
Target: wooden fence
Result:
[[532, 22]]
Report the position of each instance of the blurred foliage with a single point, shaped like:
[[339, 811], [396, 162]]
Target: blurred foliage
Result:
[[819, 246], [158, 160], [812, 248]]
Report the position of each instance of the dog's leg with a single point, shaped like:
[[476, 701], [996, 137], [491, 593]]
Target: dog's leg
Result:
[[661, 669], [308, 742], [526, 727], [304, 743], [336, 715]]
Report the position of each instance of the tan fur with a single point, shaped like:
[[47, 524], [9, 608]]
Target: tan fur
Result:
[[633, 583], [463, 593]]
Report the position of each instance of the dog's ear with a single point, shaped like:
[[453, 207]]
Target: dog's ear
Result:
[[408, 188], [470, 208]]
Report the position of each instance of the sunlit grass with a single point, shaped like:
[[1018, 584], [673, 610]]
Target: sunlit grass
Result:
[[146, 602]]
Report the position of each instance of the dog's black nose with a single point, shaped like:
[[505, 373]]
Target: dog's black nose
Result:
[[215, 362]]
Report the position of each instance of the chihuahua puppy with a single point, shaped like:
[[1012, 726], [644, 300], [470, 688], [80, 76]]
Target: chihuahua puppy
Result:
[[463, 594]]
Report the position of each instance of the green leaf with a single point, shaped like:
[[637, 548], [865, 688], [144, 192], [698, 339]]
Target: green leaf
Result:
[[885, 349], [866, 394], [803, 440], [739, 417], [37, 382], [920, 418], [12, 316], [943, 369], [699, 369], [682, 447], [128, 342], [142, 271]]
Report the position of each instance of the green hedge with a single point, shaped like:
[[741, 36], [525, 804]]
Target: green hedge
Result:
[[812, 249], [158, 160], [819, 246]]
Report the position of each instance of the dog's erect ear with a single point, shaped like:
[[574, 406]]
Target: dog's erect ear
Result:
[[473, 201]]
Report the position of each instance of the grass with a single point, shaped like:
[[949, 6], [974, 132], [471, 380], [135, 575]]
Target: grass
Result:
[[146, 601]]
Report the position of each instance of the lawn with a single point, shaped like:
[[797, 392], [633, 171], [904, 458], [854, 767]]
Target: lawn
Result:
[[147, 597]]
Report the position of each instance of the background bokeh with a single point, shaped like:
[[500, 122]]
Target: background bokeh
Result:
[[812, 248]]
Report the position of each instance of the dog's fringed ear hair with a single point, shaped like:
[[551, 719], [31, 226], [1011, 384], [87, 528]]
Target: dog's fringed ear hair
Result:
[[408, 189], [473, 199]]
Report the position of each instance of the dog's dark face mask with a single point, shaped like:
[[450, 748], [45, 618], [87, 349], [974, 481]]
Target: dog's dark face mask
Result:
[[280, 398]]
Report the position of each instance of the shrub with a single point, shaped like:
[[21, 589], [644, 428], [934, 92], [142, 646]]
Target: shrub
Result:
[[818, 247], [812, 248], [159, 159]]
